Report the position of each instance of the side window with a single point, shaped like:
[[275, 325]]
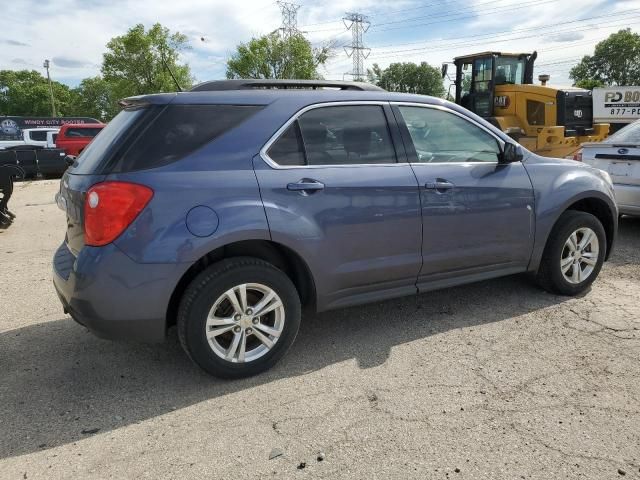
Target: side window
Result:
[[535, 112], [83, 132], [347, 135], [440, 136], [288, 150], [38, 135]]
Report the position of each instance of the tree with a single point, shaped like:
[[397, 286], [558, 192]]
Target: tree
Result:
[[272, 56], [616, 61], [408, 77], [94, 97], [26, 92], [135, 62]]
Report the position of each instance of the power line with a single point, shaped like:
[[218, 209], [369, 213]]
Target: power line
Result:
[[387, 13], [358, 24], [485, 11], [507, 34], [501, 33]]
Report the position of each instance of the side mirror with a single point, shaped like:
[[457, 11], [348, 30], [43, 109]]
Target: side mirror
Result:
[[445, 68], [510, 154], [69, 160]]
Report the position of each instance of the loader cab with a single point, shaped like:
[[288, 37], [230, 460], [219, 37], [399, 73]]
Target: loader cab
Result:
[[478, 75]]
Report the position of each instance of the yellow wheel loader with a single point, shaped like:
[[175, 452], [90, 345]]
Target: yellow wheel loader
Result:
[[548, 120]]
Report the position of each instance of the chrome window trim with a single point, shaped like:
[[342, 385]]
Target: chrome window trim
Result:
[[500, 141], [274, 138], [273, 164]]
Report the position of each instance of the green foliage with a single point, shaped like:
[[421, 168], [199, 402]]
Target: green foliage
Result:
[[272, 56], [408, 77], [133, 64], [26, 92], [616, 61], [589, 83], [95, 98]]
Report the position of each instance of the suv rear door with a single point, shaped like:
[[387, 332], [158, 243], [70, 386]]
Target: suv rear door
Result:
[[337, 190], [477, 215]]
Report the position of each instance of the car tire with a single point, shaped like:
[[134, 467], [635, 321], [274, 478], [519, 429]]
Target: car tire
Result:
[[564, 269], [227, 339]]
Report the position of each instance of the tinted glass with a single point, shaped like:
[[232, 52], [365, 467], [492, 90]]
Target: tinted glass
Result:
[[347, 135], [288, 149], [180, 130], [38, 135], [628, 134], [440, 136], [116, 129], [82, 132]]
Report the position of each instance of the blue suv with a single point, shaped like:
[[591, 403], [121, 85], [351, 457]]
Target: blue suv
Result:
[[227, 209]]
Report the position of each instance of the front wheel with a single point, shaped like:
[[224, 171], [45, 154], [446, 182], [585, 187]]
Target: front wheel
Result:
[[574, 254], [238, 317]]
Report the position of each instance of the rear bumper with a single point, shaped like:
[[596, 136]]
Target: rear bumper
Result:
[[628, 198], [113, 296]]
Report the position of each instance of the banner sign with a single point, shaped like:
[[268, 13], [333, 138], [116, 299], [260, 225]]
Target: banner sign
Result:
[[11, 127]]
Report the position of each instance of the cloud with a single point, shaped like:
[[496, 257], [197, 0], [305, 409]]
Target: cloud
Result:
[[14, 43], [66, 62], [567, 37], [19, 61], [74, 33]]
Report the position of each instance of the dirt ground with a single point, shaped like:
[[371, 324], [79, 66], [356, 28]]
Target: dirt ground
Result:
[[496, 380]]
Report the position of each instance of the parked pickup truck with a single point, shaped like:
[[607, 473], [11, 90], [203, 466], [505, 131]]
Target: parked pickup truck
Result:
[[36, 137], [72, 138]]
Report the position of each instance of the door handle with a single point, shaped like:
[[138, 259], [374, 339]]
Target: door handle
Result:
[[305, 186], [439, 185]]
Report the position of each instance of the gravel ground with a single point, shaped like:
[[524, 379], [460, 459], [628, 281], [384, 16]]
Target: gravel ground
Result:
[[495, 380]]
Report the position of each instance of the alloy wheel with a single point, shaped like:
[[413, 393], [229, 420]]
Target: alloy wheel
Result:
[[579, 255]]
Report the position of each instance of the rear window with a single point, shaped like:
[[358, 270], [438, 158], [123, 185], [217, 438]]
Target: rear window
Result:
[[38, 135], [108, 141], [178, 131], [79, 132]]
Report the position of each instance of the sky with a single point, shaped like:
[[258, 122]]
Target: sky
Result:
[[73, 33]]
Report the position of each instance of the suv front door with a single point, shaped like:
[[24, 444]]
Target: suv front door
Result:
[[336, 191], [477, 214]]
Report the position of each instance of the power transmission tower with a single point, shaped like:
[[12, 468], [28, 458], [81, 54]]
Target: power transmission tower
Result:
[[289, 18], [358, 24]]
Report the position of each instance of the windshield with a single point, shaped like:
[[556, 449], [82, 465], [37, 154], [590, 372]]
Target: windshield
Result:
[[94, 153], [628, 134], [509, 70]]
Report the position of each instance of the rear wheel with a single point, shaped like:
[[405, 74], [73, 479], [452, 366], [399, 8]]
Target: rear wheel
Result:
[[574, 254], [238, 317]]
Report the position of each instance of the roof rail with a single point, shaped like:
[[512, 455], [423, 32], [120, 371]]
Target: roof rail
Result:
[[220, 85]]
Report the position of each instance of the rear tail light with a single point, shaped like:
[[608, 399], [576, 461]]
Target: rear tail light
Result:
[[110, 207], [578, 156]]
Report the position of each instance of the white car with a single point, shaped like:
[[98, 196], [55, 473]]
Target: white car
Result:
[[619, 155]]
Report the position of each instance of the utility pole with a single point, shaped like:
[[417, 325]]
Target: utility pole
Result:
[[53, 103], [358, 24], [289, 19]]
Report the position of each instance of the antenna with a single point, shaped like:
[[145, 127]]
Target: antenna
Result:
[[166, 65]]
